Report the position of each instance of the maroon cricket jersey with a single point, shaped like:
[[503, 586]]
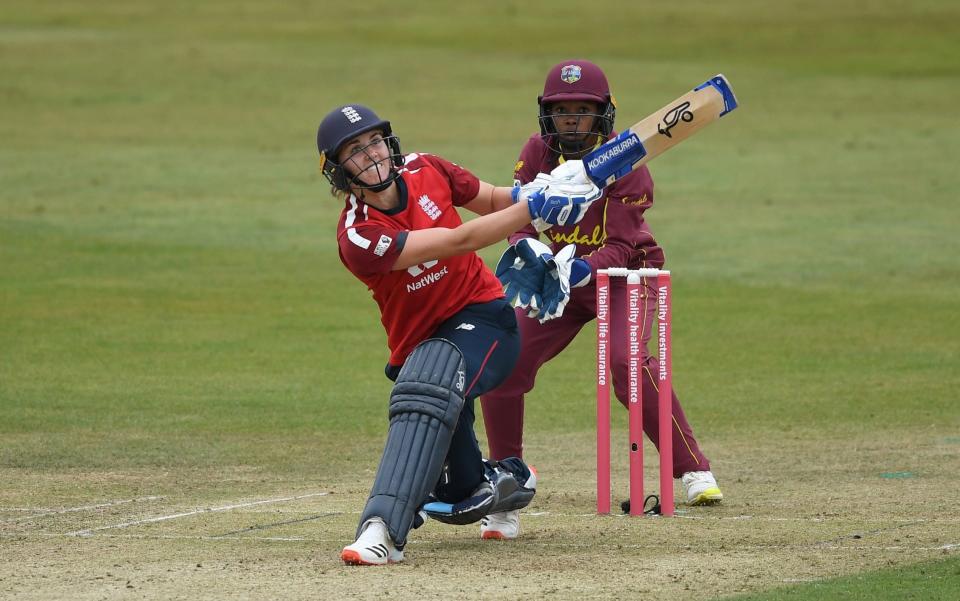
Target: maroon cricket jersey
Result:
[[613, 233], [414, 301]]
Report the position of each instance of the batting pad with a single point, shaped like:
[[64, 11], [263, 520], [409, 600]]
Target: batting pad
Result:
[[424, 408]]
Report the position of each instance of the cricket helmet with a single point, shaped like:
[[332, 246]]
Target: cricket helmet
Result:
[[343, 124], [573, 81]]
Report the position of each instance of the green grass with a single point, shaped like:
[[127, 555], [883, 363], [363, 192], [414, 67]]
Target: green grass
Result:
[[171, 301], [935, 581]]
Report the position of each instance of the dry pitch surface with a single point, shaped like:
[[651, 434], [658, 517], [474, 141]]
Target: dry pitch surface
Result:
[[795, 512]]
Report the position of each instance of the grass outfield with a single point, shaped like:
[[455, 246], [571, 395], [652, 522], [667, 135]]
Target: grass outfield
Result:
[[191, 398], [927, 581]]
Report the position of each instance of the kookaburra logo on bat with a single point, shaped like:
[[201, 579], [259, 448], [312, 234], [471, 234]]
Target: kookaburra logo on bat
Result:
[[674, 116]]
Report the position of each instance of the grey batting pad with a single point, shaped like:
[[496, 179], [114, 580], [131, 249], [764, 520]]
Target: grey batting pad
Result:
[[424, 408]]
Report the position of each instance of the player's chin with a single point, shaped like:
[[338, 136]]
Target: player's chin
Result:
[[374, 175], [576, 140]]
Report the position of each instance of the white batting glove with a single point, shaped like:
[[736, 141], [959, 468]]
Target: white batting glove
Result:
[[571, 172], [560, 203]]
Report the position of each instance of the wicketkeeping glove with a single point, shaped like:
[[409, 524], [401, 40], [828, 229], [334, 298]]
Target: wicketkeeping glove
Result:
[[560, 271], [536, 280], [521, 270]]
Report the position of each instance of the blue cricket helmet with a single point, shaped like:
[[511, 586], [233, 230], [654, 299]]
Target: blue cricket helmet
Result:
[[343, 124]]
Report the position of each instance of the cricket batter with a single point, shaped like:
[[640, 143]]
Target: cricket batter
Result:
[[451, 334], [576, 115]]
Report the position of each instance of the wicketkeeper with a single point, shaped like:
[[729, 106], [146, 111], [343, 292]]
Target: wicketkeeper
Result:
[[576, 115]]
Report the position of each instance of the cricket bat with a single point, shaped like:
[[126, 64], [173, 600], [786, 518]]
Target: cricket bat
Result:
[[660, 132]]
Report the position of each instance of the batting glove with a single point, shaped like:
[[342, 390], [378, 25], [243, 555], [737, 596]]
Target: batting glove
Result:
[[572, 172], [553, 201]]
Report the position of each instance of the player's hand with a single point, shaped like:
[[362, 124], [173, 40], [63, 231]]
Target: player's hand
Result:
[[521, 270], [563, 272], [561, 202], [524, 192], [536, 280], [571, 172]]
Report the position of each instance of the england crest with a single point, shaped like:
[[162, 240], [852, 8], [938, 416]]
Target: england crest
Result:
[[570, 73]]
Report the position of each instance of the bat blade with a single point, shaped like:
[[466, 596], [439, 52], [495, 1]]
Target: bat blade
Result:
[[660, 131]]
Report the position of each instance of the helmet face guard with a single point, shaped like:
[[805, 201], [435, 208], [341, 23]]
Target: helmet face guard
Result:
[[570, 82], [344, 124], [582, 138]]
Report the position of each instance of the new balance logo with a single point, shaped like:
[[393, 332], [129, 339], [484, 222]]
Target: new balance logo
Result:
[[351, 114], [465, 326]]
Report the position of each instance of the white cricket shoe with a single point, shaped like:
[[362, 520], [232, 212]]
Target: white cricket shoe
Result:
[[373, 548], [501, 526], [701, 488]]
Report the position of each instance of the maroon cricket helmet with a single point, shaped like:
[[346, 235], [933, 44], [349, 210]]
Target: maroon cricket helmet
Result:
[[573, 81]]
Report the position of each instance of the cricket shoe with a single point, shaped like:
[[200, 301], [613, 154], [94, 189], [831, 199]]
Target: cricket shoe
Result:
[[701, 488], [505, 525], [501, 526], [373, 548]]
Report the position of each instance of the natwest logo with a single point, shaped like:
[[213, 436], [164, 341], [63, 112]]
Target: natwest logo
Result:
[[427, 279]]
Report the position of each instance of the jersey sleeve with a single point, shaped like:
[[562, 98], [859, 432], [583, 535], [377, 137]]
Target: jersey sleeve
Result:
[[464, 185], [528, 165], [524, 172], [371, 249]]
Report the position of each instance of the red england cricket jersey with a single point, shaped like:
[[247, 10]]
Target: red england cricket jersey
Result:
[[613, 233], [414, 301]]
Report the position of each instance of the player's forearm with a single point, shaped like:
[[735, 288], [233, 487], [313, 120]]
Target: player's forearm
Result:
[[483, 231], [490, 199], [501, 198], [494, 227]]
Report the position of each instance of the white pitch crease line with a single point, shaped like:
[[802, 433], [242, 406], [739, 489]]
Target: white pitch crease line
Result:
[[541, 544], [163, 518], [45, 512], [733, 518], [729, 518]]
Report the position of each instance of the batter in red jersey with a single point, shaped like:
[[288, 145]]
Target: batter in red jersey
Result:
[[576, 115], [451, 334]]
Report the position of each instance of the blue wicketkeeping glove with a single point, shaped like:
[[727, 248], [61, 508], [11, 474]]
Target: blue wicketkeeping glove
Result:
[[521, 270], [536, 280], [556, 282]]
